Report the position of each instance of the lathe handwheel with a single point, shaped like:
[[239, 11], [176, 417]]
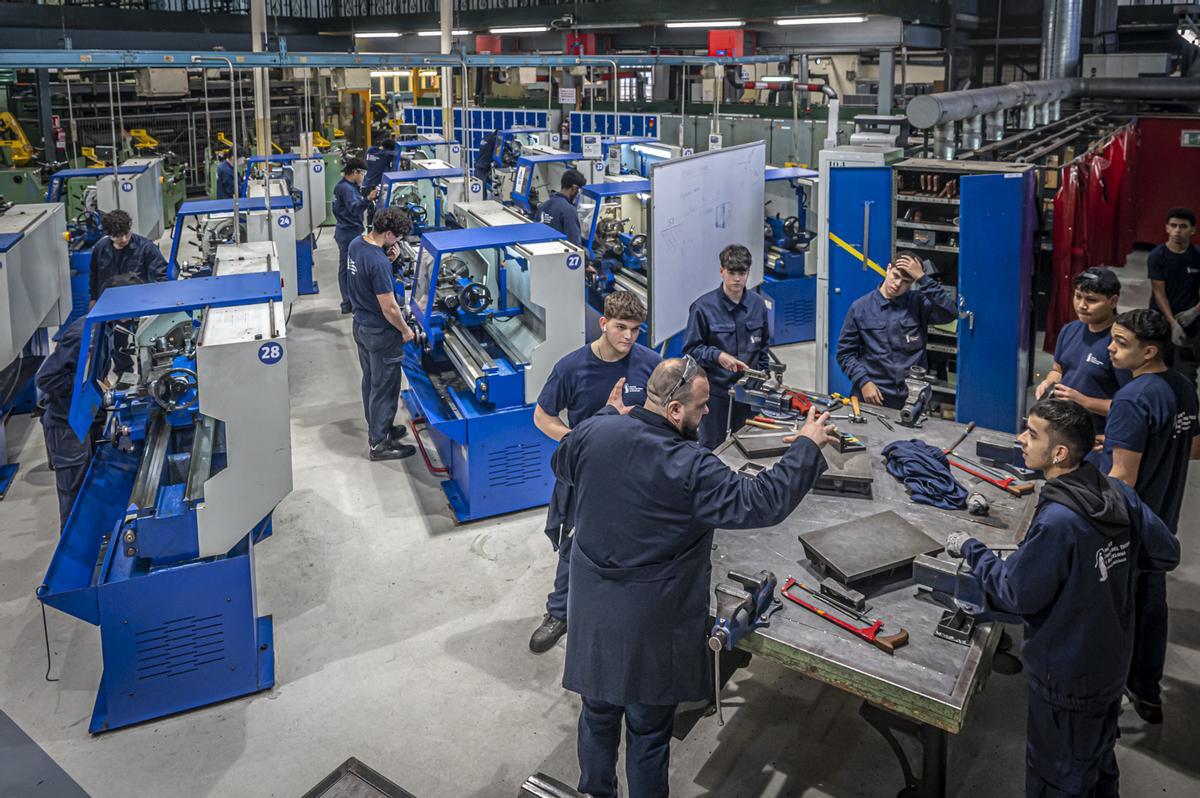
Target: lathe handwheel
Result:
[[170, 385], [475, 298]]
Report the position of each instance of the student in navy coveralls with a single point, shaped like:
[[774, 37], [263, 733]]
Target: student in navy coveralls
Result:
[[612, 370], [1148, 440], [379, 160], [1082, 372], [227, 176], [646, 500], [885, 332], [1073, 581], [559, 209], [380, 331], [727, 333], [122, 251], [55, 382], [349, 204], [1174, 271]]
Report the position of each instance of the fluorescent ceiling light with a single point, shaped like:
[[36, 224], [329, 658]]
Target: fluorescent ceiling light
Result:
[[717, 23], [776, 79], [657, 152], [439, 33], [822, 20], [526, 29], [378, 35], [428, 72], [393, 73]]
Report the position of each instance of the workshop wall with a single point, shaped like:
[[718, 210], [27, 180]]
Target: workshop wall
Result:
[[1168, 179]]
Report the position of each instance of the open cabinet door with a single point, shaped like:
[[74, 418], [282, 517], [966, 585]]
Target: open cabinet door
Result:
[[860, 222], [995, 256]]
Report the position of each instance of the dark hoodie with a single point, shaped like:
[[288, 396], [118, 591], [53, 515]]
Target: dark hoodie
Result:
[[1072, 580]]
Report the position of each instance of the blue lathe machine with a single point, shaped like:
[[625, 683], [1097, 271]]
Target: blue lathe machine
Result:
[[194, 456], [302, 179], [427, 191], [790, 262], [495, 307]]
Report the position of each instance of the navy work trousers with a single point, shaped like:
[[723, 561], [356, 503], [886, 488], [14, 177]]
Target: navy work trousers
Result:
[[556, 602], [1069, 752], [343, 244], [1149, 636], [647, 748], [380, 355], [70, 457]]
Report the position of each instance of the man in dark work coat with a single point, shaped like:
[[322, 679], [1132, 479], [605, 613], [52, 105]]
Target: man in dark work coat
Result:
[[647, 498]]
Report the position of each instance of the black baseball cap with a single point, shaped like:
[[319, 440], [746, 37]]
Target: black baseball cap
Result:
[[1098, 281]]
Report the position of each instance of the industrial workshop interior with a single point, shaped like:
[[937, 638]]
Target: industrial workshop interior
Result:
[[548, 398]]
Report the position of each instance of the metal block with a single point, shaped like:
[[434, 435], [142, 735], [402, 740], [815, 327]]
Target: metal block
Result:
[[856, 550], [353, 779], [161, 82]]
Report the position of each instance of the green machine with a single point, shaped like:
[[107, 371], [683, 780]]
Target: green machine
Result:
[[20, 174]]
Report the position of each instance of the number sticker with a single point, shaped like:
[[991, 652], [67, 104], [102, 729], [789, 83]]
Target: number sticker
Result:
[[318, 167], [285, 221], [126, 186], [270, 353], [574, 260]]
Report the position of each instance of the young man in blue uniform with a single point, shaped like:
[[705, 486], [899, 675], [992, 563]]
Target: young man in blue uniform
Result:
[[483, 159], [227, 176], [559, 209], [380, 331], [1082, 372], [349, 204], [122, 251], [379, 160], [612, 370], [55, 382], [647, 499], [1174, 272], [1073, 581], [727, 333], [885, 332], [1148, 440]]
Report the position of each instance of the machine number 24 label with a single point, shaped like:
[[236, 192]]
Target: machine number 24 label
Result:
[[270, 353]]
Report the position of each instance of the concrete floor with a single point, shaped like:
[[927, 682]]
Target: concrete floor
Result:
[[401, 640]]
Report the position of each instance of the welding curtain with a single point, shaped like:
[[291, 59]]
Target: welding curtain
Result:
[[1093, 221]]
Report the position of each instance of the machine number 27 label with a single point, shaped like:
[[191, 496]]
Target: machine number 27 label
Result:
[[574, 260], [270, 353]]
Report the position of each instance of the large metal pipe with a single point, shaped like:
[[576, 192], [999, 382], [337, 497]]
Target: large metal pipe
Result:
[[1064, 45], [933, 110]]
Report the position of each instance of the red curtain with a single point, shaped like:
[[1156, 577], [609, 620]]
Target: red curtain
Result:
[[1124, 150], [1069, 256], [1100, 204]]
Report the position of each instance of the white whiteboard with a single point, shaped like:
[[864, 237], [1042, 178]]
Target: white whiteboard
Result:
[[700, 204]]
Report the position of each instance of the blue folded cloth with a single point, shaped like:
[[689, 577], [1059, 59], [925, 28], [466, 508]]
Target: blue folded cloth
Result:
[[925, 471]]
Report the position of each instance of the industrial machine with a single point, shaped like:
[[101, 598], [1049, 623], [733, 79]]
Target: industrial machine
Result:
[[135, 188], [158, 550], [201, 226], [21, 176], [35, 294], [538, 174], [790, 261], [425, 147], [973, 222], [634, 155], [495, 308], [510, 145], [615, 218], [302, 179], [427, 190]]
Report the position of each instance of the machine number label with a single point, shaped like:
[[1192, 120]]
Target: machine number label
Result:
[[574, 260], [476, 186], [270, 353], [688, 151], [126, 186], [455, 150], [318, 167], [285, 221]]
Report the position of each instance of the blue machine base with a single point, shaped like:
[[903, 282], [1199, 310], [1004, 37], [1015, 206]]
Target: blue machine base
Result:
[[305, 284], [266, 680], [795, 301], [7, 474]]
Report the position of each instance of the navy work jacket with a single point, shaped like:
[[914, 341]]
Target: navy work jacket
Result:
[[646, 503], [140, 256], [882, 338], [717, 324], [1074, 587], [349, 204], [561, 214], [226, 184]]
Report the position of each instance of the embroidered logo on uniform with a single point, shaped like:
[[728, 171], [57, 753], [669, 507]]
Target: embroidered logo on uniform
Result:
[[350, 267], [911, 338], [546, 218], [1183, 424], [1112, 555], [633, 388], [1095, 361], [755, 339]]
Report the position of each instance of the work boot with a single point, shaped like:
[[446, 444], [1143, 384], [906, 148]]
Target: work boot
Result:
[[546, 635], [397, 433], [1149, 711], [390, 450]]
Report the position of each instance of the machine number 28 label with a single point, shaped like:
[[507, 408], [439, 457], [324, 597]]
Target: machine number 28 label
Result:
[[270, 353]]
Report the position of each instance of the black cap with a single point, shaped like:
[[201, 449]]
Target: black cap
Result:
[[1098, 281]]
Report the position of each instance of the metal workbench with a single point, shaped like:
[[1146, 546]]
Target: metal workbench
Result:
[[924, 690]]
